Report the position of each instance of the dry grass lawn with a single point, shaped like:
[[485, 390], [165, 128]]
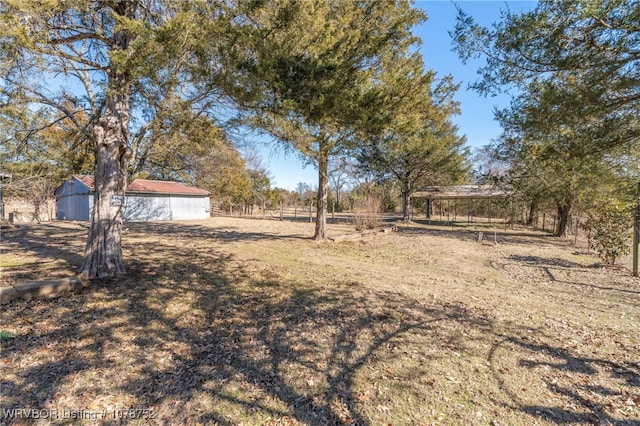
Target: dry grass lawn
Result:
[[249, 322]]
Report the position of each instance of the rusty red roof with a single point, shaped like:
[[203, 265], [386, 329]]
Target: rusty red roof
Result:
[[86, 179], [146, 186], [163, 187]]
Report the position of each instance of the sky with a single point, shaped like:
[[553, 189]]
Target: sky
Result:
[[476, 119]]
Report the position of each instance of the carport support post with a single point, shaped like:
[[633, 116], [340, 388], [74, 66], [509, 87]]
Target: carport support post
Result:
[[636, 235]]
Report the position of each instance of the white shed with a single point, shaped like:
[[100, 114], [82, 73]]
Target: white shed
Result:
[[146, 200]]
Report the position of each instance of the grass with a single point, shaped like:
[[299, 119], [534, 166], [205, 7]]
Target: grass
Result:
[[249, 322]]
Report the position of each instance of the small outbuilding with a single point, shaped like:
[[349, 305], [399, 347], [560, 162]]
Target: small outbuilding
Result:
[[145, 200]]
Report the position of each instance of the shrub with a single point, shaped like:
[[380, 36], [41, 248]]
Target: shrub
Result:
[[607, 228], [366, 212]]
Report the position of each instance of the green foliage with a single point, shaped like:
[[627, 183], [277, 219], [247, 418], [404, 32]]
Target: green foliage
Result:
[[574, 123], [5, 336], [310, 74], [607, 226]]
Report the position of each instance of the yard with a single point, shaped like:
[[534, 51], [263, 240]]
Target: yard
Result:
[[235, 321]]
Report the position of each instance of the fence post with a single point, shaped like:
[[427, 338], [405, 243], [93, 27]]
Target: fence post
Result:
[[281, 210], [636, 235]]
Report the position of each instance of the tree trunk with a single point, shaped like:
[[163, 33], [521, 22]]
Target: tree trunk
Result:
[[563, 219], [321, 210], [406, 190], [405, 206], [103, 252], [533, 206]]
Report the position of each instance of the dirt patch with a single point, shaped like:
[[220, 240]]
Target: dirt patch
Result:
[[233, 321]]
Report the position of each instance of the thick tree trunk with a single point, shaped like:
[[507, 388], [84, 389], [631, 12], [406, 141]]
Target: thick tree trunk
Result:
[[103, 253], [563, 219], [321, 210]]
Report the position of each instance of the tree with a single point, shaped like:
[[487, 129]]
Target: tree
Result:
[[340, 176], [577, 67], [310, 74], [421, 147], [553, 159], [200, 153], [128, 67]]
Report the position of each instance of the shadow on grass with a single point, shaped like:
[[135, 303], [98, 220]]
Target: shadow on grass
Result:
[[550, 266], [580, 394], [204, 338]]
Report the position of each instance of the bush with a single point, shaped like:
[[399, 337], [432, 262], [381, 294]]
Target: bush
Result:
[[607, 228], [366, 212]]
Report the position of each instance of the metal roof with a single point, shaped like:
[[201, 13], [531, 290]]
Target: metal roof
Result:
[[146, 186], [461, 192], [163, 187]]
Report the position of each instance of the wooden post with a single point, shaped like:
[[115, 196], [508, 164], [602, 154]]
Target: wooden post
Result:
[[636, 236], [544, 220], [575, 236], [310, 214], [264, 210], [281, 208], [489, 210], [295, 212]]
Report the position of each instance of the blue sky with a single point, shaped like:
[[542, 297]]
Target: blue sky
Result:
[[476, 120]]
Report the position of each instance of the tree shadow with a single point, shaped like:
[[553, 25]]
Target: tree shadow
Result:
[[192, 325], [549, 266], [219, 233], [576, 393], [198, 335]]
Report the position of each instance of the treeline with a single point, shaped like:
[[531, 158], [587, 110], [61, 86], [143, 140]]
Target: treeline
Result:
[[571, 139]]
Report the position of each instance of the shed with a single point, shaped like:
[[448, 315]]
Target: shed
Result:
[[462, 192], [145, 200]]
